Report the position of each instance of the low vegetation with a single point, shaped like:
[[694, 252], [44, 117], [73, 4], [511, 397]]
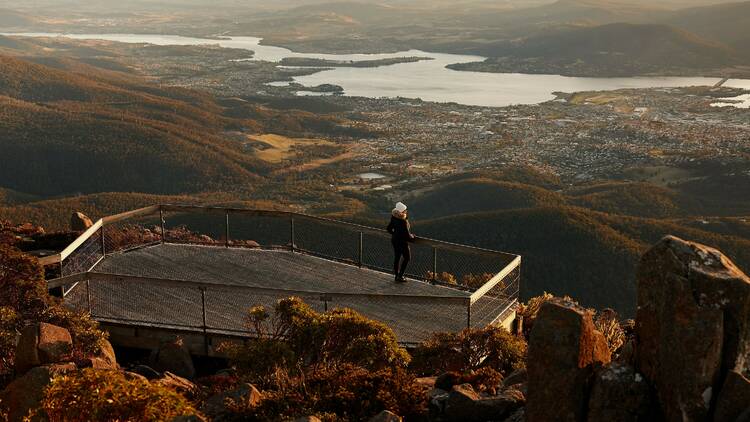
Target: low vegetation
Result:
[[25, 300], [97, 395]]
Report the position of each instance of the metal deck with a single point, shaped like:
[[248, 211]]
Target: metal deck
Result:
[[236, 279]]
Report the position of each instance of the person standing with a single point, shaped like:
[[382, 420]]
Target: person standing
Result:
[[401, 236]]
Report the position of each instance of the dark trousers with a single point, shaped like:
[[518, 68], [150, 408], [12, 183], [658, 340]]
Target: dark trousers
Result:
[[401, 250]]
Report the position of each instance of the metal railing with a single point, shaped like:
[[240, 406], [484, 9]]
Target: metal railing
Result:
[[489, 279]]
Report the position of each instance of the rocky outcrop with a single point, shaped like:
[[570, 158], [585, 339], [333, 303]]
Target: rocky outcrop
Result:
[[26, 392], [174, 357], [246, 395], [565, 350], [178, 384], [464, 404], [79, 222], [105, 359], [692, 325], [734, 399], [620, 394], [41, 344], [386, 416]]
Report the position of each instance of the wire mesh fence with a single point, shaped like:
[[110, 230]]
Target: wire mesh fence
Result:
[[83, 258], [493, 305], [224, 308], [490, 278]]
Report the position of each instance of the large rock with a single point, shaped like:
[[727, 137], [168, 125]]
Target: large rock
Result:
[[620, 394], [178, 384], [174, 357], [734, 398], [386, 416], [565, 350], [246, 395], [26, 392], [465, 405], [40, 344], [105, 359], [692, 325], [79, 222], [519, 376]]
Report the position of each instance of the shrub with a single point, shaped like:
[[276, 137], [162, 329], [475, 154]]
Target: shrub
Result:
[[484, 379], [470, 350], [96, 395], [607, 322], [87, 337], [343, 392], [22, 283], [297, 334], [8, 324], [257, 360], [25, 300]]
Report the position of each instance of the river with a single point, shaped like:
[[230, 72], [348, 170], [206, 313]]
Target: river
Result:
[[429, 80]]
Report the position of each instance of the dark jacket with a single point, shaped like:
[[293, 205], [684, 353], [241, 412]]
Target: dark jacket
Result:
[[400, 230]]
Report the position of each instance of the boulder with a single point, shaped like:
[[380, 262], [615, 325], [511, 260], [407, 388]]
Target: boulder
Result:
[[246, 395], [132, 376], [307, 419], [146, 371], [95, 363], [428, 383], [178, 384], [26, 392], [519, 376], [105, 359], [620, 394], [79, 222], [174, 357], [517, 416], [465, 405], [447, 380], [40, 344], [436, 399], [692, 325], [734, 398], [565, 350], [107, 354], [386, 416]]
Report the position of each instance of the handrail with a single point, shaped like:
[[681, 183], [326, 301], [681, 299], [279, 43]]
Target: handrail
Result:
[[86, 235], [418, 240], [102, 222], [496, 279]]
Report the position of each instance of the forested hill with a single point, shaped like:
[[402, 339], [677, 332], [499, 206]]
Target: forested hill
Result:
[[584, 242], [618, 49], [67, 127]]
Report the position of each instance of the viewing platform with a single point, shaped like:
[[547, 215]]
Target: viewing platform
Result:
[[195, 271]]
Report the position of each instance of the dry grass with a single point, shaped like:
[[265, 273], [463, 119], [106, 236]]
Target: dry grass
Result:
[[280, 147]]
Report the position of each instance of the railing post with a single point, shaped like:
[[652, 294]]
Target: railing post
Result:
[[226, 230], [88, 296], [291, 234], [161, 223], [434, 265], [361, 248], [101, 235], [205, 328], [468, 315]]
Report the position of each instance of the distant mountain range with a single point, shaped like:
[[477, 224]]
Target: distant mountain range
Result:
[[617, 49]]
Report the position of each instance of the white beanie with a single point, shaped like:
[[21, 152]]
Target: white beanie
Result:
[[400, 207]]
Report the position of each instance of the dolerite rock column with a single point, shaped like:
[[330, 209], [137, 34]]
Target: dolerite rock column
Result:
[[565, 350], [692, 326]]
